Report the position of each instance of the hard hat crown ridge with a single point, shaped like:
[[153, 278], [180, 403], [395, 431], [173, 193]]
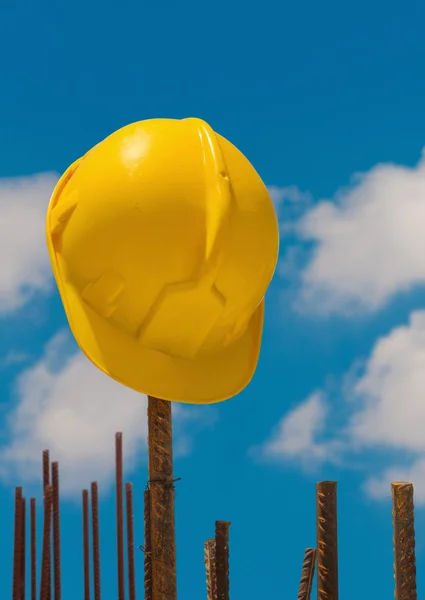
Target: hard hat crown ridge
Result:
[[163, 241]]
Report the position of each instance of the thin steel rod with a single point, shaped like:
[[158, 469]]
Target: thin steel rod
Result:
[[95, 539], [327, 540], [47, 548], [404, 541], [17, 546], [45, 584], [33, 549], [46, 468], [307, 574], [130, 542], [148, 547], [120, 524], [23, 549], [86, 545], [56, 532], [161, 486], [222, 559]]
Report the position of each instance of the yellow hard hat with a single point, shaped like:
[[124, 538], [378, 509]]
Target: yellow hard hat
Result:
[[163, 240]]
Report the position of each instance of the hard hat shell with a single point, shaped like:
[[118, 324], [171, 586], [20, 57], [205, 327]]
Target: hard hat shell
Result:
[[163, 240]]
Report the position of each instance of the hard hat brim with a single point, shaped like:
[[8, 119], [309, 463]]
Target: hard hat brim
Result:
[[204, 380]]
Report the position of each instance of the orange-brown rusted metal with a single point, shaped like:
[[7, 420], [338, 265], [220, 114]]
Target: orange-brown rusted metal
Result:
[[161, 487], [327, 541], [404, 541], [307, 574]]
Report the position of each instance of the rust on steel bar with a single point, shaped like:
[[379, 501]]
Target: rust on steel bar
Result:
[[95, 539], [148, 546], [307, 574], [17, 546], [33, 549], [327, 540], [46, 468], [46, 482], [404, 541], [130, 541], [56, 532], [45, 584], [120, 524], [222, 559], [86, 545], [23, 549], [161, 484], [210, 568]]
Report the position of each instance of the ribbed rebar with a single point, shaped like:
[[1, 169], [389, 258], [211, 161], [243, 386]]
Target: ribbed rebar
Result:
[[120, 524], [33, 549], [46, 468], [222, 559], [404, 541], [95, 539], [307, 574], [17, 546], [210, 568], [130, 542], [23, 549], [327, 541], [162, 499], [45, 584], [47, 549], [56, 532], [86, 545], [148, 546]]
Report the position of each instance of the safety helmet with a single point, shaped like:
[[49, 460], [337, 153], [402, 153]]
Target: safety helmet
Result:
[[163, 240]]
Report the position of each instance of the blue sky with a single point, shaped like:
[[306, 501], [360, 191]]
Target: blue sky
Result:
[[314, 94]]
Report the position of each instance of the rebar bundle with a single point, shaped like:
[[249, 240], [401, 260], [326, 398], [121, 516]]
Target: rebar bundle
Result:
[[159, 536]]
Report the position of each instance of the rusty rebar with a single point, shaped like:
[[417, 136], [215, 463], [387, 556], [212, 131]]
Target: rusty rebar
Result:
[[47, 549], [45, 584], [222, 559], [404, 541], [120, 524], [327, 540], [23, 549], [33, 549], [130, 541], [46, 468], [161, 486], [148, 546], [307, 574], [210, 568], [95, 539], [86, 545], [56, 532], [17, 546]]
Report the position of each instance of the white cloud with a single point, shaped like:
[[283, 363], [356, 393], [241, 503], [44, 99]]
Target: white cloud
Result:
[[12, 358], [392, 411], [67, 405], [384, 411], [24, 261], [290, 203], [295, 435], [369, 242], [391, 391], [291, 194], [379, 487], [277, 194]]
